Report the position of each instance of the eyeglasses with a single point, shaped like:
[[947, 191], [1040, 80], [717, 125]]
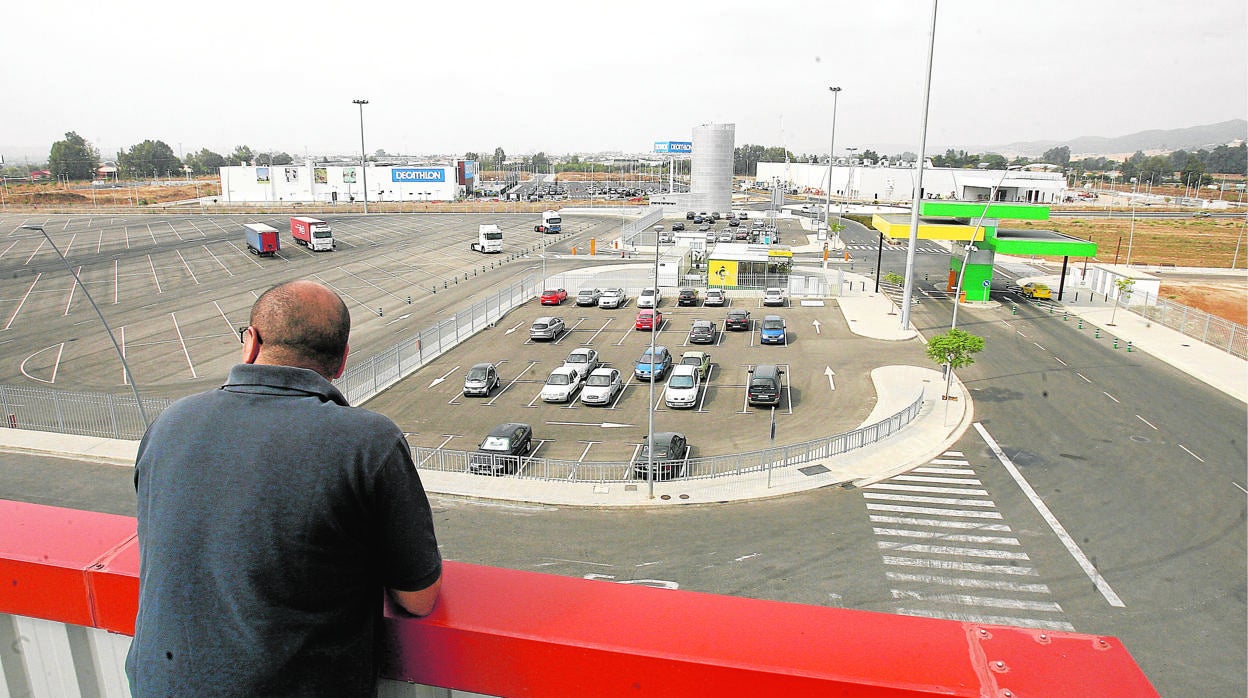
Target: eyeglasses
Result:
[[242, 334]]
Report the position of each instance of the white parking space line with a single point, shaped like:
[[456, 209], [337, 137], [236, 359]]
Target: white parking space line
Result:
[[42, 242], [185, 352], [1111, 397], [18, 309], [155, 279], [1084, 563], [6, 250], [188, 267], [1146, 422], [1058, 360], [116, 281], [1085, 378], [70, 301], [1040, 347]]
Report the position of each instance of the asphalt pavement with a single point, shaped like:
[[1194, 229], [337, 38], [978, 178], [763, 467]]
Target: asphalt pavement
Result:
[[939, 424]]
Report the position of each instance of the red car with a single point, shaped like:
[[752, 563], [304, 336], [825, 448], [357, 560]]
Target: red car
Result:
[[554, 296], [649, 319]]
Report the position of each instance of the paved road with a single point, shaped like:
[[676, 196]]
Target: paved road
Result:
[[1142, 468]]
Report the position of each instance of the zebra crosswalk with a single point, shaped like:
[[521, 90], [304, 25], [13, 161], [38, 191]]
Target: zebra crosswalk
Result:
[[948, 552]]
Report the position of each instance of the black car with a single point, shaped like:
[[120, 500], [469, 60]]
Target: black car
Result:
[[689, 215], [501, 451], [670, 452], [702, 332], [738, 319], [687, 296], [733, 222], [677, 227]]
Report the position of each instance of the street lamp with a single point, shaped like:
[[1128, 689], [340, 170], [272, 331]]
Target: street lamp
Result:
[[827, 198], [363, 157]]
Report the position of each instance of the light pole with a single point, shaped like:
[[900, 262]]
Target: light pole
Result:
[[827, 198], [917, 199], [654, 330], [363, 157]]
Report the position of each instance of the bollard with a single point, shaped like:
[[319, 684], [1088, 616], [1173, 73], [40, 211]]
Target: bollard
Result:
[[1065, 316], [1098, 334], [444, 283], [435, 290], [474, 273], [1081, 323], [381, 313], [1014, 309], [1050, 310], [1128, 346], [1115, 342], [409, 300]]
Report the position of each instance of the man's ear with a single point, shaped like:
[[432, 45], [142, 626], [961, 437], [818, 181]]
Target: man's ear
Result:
[[251, 348], [342, 367]]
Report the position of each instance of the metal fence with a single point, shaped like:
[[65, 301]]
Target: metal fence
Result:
[[89, 414], [535, 468], [380, 371], [1197, 324], [117, 417]]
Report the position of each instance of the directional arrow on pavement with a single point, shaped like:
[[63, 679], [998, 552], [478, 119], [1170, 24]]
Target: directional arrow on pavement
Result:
[[514, 328], [817, 326], [441, 378], [827, 371]]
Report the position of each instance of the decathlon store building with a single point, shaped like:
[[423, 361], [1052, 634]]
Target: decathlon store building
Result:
[[345, 183]]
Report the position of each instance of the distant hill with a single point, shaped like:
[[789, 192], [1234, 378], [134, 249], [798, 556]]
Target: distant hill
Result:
[[1192, 138]]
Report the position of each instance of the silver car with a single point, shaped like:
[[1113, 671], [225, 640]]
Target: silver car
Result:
[[602, 387], [612, 298], [546, 328], [561, 385]]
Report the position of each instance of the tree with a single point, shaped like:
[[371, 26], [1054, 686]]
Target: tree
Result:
[[539, 162], [204, 162], [953, 350], [470, 155], [994, 161], [1193, 171], [500, 157], [242, 155], [149, 157], [73, 158], [1125, 286], [869, 155], [280, 158], [1057, 156]]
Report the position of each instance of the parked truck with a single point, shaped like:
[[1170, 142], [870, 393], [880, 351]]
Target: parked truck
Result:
[[489, 240], [551, 223], [262, 239], [313, 233]]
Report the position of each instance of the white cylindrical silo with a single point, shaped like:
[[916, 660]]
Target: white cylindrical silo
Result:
[[710, 171]]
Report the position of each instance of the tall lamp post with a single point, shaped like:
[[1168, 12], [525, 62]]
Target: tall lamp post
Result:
[[827, 199], [363, 157]]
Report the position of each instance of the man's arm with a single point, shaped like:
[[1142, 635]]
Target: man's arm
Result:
[[418, 603]]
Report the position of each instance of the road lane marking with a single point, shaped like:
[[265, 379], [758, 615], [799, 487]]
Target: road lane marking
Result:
[[1085, 378], [946, 480], [1047, 515], [940, 523], [954, 565], [930, 489], [1111, 397], [930, 500], [1060, 361], [1146, 422], [932, 511], [968, 582], [937, 535], [981, 601], [1193, 455], [950, 550], [992, 620], [1038, 345], [18, 309], [185, 352]]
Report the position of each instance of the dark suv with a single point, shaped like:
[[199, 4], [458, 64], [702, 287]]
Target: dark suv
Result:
[[765, 385], [501, 451], [670, 451]]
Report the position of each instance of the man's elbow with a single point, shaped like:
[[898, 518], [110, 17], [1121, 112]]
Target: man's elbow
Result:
[[418, 603]]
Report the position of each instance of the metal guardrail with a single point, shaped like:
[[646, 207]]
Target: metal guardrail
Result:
[[534, 468]]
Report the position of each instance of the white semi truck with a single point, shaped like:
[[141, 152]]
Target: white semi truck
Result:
[[551, 223], [489, 240]]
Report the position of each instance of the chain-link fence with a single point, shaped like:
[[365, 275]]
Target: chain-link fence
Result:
[[537, 468], [1197, 324]]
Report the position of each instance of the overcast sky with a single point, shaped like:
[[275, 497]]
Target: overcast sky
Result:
[[450, 77]]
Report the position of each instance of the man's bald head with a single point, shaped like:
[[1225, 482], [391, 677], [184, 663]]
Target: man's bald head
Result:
[[303, 324]]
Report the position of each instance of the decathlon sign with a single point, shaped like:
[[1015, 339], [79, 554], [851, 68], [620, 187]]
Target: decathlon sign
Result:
[[674, 147], [417, 174]]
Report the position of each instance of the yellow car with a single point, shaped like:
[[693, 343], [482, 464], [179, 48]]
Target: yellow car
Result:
[[1035, 290]]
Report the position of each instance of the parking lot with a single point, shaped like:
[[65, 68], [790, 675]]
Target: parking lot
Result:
[[826, 382]]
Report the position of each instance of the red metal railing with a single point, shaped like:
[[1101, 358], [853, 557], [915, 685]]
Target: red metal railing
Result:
[[506, 632]]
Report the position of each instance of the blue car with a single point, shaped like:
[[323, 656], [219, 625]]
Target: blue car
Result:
[[772, 331], [657, 365]]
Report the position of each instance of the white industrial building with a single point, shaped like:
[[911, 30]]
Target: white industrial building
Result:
[[896, 184], [311, 182]]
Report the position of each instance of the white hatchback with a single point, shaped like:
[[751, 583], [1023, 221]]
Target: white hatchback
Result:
[[682, 386], [648, 298]]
